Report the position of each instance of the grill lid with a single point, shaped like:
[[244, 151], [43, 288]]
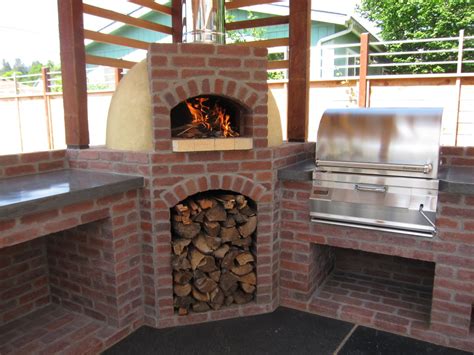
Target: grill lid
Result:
[[386, 141]]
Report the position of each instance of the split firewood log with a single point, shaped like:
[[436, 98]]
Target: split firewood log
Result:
[[228, 281], [222, 251], [245, 258], [248, 288], [241, 201], [201, 307], [242, 297], [181, 208], [179, 245], [182, 277], [200, 243], [188, 231], [250, 278], [229, 300], [208, 264], [240, 218], [195, 258], [228, 201], [213, 242], [205, 285], [194, 206], [217, 298], [228, 260], [247, 211], [249, 227], [182, 290], [182, 311], [215, 275], [199, 296], [229, 222], [199, 218], [205, 203], [216, 214], [180, 262], [242, 270], [243, 242], [233, 211], [229, 234], [186, 219], [212, 228], [184, 302]]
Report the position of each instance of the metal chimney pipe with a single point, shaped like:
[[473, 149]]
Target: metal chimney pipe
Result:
[[203, 21]]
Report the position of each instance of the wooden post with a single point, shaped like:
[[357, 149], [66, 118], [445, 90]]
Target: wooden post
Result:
[[73, 72], [298, 72], [46, 89], [118, 76], [177, 20], [363, 68], [18, 115]]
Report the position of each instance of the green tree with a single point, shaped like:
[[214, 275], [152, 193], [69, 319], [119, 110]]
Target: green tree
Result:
[[6, 67], [422, 19]]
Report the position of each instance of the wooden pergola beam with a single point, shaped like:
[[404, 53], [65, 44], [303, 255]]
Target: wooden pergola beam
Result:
[[298, 72], [177, 21], [73, 72]]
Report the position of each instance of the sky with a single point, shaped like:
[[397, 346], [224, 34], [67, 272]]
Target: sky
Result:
[[29, 28]]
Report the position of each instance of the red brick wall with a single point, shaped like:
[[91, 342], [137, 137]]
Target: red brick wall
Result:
[[23, 279], [31, 163], [97, 273], [457, 156], [452, 252]]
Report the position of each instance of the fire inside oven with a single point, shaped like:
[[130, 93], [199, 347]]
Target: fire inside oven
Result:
[[206, 116]]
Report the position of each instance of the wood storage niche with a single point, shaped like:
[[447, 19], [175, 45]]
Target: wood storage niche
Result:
[[213, 247]]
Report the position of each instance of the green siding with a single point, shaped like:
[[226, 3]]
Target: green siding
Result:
[[114, 51]]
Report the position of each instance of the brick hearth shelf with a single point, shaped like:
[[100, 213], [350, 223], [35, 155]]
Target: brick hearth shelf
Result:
[[103, 267]]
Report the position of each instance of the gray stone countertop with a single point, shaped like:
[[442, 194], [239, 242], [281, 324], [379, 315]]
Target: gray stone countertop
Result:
[[451, 179], [45, 191]]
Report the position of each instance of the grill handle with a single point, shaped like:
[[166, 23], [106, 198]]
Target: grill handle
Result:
[[371, 188], [425, 169]]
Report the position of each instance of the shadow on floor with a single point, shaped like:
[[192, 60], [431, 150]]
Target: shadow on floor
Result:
[[284, 331]]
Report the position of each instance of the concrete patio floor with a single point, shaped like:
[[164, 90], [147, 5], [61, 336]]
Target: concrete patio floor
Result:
[[284, 331]]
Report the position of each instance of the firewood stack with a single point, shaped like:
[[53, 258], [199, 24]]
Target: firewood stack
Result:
[[213, 264]]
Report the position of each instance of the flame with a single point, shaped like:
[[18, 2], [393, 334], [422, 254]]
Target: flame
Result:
[[211, 118]]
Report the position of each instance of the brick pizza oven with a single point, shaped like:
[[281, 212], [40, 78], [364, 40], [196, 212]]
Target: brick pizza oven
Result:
[[182, 167]]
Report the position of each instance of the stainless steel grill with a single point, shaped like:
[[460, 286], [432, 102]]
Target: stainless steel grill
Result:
[[377, 169]]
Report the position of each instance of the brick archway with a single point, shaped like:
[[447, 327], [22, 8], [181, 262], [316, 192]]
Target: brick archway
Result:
[[191, 186], [234, 90]]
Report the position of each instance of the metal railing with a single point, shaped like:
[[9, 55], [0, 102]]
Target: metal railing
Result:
[[431, 56]]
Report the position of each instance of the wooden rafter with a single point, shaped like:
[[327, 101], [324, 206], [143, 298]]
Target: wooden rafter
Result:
[[235, 4], [153, 6], [109, 62], [278, 64], [129, 20], [261, 22], [277, 42], [118, 40]]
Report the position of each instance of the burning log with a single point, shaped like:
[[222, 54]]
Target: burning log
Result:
[[212, 262], [208, 119]]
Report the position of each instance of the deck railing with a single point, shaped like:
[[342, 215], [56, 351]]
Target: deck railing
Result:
[[430, 56]]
